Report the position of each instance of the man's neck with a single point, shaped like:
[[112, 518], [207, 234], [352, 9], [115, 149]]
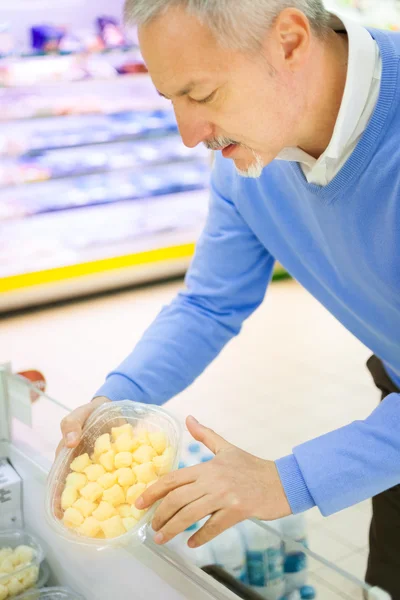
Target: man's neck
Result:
[[326, 90]]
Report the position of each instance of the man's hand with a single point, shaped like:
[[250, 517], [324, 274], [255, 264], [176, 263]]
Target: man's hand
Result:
[[232, 487], [72, 425]]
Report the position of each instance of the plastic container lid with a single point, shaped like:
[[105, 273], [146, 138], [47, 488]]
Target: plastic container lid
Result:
[[307, 592], [141, 417], [27, 574], [55, 593]]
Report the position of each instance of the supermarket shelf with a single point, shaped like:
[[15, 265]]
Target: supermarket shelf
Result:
[[43, 55]]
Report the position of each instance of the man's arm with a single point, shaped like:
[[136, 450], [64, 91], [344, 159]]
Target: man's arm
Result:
[[225, 284], [347, 465]]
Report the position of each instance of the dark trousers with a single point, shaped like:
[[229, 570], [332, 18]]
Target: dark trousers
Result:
[[384, 538]]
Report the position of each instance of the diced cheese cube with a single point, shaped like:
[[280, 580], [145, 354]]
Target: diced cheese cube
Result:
[[122, 459], [30, 576], [124, 443], [116, 432], [68, 497], [164, 462], [113, 527], [136, 513], [5, 553], [107, 480], [80, 463], [104, 511], [72, 518], [142, 437], [7, 565], [3, 592], [125, 476], [25, 554], [158, 440], [92, 491], [102, 444], [124, 510], [90, 527], [129, 523], [144, 454], [134, 492], [93, 472], [15, 587], [107, 460], [85, 506], [76, 480], [145, 472], [115, 495]]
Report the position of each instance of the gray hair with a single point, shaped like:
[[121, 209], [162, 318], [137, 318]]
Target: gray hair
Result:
[[237, 24]]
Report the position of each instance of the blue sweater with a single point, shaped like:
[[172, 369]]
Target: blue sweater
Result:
[[342, 243]]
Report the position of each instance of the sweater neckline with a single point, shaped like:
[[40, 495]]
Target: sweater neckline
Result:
[[375, 129]]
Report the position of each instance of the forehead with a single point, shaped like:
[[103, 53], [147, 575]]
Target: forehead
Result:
[[177, 47]]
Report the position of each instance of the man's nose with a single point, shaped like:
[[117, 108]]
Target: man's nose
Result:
[[193, 128]]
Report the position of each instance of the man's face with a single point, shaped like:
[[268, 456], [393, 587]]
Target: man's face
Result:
[[247, 103]]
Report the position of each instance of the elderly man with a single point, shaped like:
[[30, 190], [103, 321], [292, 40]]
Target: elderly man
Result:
[[305, 112]]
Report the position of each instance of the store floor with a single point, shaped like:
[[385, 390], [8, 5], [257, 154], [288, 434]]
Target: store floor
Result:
[[293, 373]]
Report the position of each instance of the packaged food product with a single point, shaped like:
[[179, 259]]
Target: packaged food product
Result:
[[134, 444], [20, 559]]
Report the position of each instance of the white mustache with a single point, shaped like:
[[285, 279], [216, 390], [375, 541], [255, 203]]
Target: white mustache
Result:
[[219, 143]]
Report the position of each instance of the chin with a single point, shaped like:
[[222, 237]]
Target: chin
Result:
[[250, 169]]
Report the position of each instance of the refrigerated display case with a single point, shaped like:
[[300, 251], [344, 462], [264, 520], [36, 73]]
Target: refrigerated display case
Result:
[[28, 439]]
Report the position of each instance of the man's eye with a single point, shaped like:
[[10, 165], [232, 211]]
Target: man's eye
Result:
[[206, 100]]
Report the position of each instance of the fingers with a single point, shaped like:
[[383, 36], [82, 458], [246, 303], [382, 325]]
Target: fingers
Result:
[[206, 436], [72, 425], [186, 517], [216, 524], [174, 502], [165, 485]]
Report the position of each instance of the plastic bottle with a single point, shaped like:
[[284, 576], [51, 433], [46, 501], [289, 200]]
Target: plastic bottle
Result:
[[201, 557], [230, 553], [294, 530], [293, 596], [264, 560]]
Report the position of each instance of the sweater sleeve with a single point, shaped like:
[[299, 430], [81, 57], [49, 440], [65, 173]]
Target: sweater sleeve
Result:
[[226, 282], [345, 466]]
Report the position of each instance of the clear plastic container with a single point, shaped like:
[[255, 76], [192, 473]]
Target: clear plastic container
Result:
[[24, 576], [141, 417], [54, 593]]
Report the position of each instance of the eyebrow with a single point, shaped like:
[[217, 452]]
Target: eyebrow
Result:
[[185, 90]]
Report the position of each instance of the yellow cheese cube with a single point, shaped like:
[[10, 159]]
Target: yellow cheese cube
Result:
[[100, 536], [122, 459], [30, 576], [90, 527], [5, 553], [113, 527], [124, 443], [164, 462], [107, 460], [85, 506], [136, 513], [124, 510], [15, 587], [104, 511], [134, 492], [76, 480], [25, 554], [114, 495], [102, 444], [107, 480], [3, 592], [93, 472], [72, 518], [145, 472], [92, 491], [68, 497], [129, 523], [7, 565], [142, 437], [144, 454], [125, 477], [80, 463], [116, 432], [158, 440]]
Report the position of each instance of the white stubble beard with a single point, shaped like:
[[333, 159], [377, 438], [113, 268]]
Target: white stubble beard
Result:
[[254, 171]]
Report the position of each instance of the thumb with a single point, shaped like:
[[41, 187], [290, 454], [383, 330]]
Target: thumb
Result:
[[206, 436]]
